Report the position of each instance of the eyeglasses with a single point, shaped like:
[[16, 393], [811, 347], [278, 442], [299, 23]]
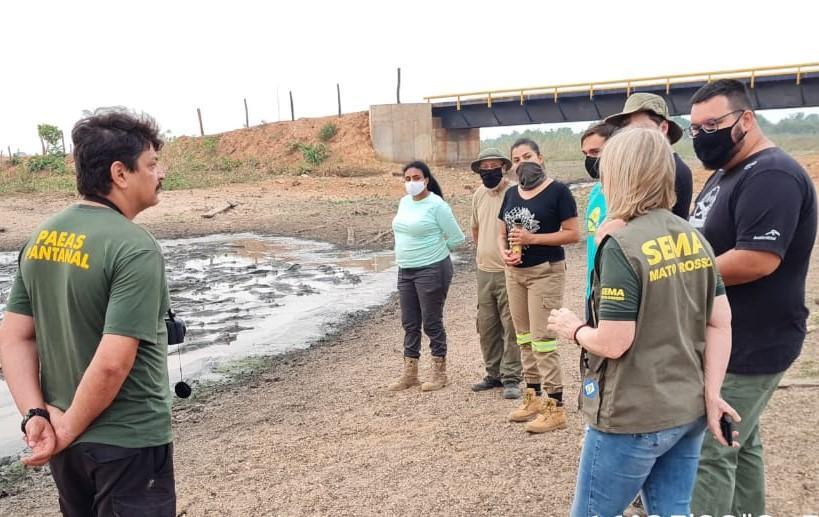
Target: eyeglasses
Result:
[[709, 126]]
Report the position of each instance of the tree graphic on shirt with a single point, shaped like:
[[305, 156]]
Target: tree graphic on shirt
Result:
[[521, 214]]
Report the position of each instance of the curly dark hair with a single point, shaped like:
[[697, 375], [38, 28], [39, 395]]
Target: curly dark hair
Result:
[[110, 135]]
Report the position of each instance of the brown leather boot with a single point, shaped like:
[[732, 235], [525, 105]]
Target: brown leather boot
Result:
[[437, 379], [551, 417], [409, 376], [529, 407]]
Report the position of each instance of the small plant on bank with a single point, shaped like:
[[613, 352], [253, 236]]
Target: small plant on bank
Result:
[[314, 154], [226, 164], [48, 162], [209, 144], [327, 132], [294, 147]]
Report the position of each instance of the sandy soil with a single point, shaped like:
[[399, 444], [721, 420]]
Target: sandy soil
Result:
[[316, 432]]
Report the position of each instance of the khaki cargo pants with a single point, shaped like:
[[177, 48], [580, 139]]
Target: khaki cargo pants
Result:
[[533, 292]]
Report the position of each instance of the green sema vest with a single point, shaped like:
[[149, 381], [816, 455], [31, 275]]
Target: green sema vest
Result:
[[658, 383]]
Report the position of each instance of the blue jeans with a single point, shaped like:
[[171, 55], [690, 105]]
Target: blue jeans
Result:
[[661, 466]]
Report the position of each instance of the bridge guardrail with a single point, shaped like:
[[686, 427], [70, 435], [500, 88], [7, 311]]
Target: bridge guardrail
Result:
[[629, 84]]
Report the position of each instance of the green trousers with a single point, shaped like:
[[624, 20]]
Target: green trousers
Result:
[[732, 481], [501, 354]]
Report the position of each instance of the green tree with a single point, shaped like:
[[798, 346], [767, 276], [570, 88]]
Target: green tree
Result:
[[51, 138]]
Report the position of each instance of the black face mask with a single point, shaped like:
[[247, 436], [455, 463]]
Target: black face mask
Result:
[[530, 175], [716, 149], [593, 166], [491, 178]]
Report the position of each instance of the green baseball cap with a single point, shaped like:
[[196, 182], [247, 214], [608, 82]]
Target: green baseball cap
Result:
[[490, 153], [647, 102]]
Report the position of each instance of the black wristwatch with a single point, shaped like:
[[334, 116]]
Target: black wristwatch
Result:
[[31, 414]]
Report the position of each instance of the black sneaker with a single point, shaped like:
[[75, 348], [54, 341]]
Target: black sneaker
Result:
[[487, 383]]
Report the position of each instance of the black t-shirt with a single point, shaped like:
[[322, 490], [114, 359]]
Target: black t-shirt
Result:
[[683, 187], [765, 203], [544, 213]]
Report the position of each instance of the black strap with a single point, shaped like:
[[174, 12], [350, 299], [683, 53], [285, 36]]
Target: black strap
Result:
[[592, 320], [31, 414], [103, 201], [597, 253]]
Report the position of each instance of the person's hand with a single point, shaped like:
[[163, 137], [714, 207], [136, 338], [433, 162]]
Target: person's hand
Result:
[[511, 259], [609, 226], [520, 237], [564, 323], [63, 432], [714, 409], [40, 437]]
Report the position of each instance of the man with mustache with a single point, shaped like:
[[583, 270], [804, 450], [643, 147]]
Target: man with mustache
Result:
[[84, 328]]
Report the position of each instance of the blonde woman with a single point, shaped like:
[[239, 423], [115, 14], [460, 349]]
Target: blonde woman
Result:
[[655, 355]]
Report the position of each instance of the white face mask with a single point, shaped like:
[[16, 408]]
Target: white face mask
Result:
[[415, 187]]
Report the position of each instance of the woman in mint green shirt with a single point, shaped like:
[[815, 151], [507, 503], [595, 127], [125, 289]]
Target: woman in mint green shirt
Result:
[[425, 232]]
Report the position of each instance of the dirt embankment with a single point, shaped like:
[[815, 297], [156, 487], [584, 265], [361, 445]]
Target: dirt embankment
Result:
[[279, 145]]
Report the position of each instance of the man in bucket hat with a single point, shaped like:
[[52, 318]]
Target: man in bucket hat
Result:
[[650, 110], [501, 355]]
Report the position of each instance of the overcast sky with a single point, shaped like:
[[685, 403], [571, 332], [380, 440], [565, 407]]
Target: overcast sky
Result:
[[169, 57]]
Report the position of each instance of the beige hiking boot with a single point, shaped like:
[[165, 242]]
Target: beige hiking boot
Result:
[[409, 376], [551, 417], [437, 379], [530, 406]]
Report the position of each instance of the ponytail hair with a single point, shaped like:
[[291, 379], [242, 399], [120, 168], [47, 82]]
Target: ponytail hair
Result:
[[433, 185]]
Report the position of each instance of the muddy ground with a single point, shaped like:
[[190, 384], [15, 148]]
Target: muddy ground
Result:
[[316, 433]]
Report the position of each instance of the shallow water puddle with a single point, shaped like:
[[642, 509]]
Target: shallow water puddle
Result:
[[245, 295]]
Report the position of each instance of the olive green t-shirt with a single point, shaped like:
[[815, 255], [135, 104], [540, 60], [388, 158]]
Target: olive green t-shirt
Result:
[[620, 286], [86, 272]]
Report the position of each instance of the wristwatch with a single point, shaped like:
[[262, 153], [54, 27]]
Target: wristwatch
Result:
[[31, 414]]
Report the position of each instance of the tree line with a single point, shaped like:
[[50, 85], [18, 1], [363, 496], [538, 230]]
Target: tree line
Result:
[[565, 141]]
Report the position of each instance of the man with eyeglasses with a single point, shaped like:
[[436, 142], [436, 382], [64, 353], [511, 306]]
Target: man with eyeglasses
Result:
[[650, 110], [758, 211], [501, 353]]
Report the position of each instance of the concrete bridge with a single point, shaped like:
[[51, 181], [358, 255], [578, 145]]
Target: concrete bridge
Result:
[[445, 129]]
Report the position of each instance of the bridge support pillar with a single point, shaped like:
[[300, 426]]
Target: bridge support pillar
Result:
[[405, 132], [454, 146]]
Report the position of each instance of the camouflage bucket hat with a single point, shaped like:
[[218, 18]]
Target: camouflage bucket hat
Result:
[[647, 102], [491, 153]]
